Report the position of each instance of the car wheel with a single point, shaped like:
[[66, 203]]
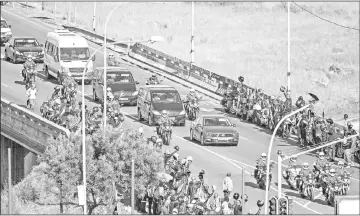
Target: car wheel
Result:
[[192, 135], [150, 120], [140, 118], [47, 75], [202, 139], [94, 96]]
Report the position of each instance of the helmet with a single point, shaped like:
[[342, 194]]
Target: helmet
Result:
[[332, 170], [189, 158], [111, 96], [183, 161], [111, 54], [164, 112], [346, 116], [108, 89], [154, 75], [321, 154], [340, 163], [241, 79], [192, 90], [305, 165], [236, 196], [141, 130], [29, 56], [263, 155], [293, 158]]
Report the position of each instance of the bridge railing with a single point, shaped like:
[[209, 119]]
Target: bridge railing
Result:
[[26, 127]]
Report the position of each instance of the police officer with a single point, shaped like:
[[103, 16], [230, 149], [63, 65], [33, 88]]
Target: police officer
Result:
[[111, 61], [292, 164], [340, 170], [303, 175], [260, 165], [319, 164], [330, 182]]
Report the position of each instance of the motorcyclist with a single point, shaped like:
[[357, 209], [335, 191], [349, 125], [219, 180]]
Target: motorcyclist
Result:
[[291, 165], [111, 61], [320, 164], [340, 170], [31, 93], [57, 92], [191, 97], [303, 174], [154, 79], [71, 90], [163, 120], [29, 63], [189, 161], [260, 165], [109, 92], [330, 183]]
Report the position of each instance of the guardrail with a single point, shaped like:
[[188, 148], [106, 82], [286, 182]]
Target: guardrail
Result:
[[203, 78], [26, 127]]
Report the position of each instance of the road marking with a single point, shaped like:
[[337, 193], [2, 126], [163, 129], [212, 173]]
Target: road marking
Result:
[[206, 110], [229, 161], [319, 195]]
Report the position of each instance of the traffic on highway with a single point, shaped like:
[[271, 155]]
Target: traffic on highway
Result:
[[206, 141]]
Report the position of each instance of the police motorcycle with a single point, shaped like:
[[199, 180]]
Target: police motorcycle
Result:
[[153, 80], [30, 73], [116, 118], [227, 102], [193, 109], [307, 187], [291, 177], [332, 190], [260, 176], [166, 133], [345, 187]]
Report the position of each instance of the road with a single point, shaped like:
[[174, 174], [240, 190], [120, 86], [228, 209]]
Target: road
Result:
[[215, 160]]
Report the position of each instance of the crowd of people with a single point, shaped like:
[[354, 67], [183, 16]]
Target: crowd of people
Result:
[[178, 191]]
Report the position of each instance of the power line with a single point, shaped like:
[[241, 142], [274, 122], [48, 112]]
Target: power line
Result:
[[326, 19]]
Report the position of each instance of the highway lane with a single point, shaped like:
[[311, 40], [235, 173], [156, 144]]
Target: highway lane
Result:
[[204, 157]]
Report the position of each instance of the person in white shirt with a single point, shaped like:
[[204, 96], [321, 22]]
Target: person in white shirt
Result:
[[228, 183], [31, 93]]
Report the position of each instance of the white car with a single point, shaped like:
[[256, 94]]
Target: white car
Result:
[[6, 33]]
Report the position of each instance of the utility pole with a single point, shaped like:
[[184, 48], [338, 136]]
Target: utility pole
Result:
[[94, 16], [192, 35], [133, 186], [10, 181], [288, 72]]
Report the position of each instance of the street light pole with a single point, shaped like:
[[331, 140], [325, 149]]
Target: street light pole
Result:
[[192, 34], [288, 73], [269, 153], [94, 17], [105, 63]]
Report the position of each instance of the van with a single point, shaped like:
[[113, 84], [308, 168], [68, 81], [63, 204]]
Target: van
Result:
[[153, 99], [121, 82], [66, 52], [6, 33]]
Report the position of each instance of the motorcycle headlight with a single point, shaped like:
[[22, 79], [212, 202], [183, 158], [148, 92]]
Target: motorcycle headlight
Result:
[[156, 112], [135, 93], [182, 113]]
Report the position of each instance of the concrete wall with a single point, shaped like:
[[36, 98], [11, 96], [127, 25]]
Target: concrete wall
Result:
[[22, 159]]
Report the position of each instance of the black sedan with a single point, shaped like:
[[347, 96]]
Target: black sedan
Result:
[[18, 48], [214, 129]]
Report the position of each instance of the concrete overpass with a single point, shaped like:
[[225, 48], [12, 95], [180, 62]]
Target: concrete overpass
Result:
[[26, 133]]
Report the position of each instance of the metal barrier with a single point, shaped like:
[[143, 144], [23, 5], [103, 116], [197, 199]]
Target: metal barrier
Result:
[[27, 128]]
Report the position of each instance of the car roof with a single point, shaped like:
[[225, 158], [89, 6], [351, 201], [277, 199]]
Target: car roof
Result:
[[23, 37]]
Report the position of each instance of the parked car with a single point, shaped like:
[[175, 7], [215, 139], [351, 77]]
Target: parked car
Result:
[[214, 129], [18, 48], [153, 99], [121, 82], [6, 33]]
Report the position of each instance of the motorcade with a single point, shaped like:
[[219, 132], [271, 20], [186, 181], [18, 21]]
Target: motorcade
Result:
[[121, 82], [6, 33], [19, 47], [66, 52], [214, 129], [153, 99]]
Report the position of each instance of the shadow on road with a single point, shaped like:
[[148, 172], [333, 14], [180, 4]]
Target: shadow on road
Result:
[[252, 184], [285, 186], [20, 83], [212, 145], [42, 18]]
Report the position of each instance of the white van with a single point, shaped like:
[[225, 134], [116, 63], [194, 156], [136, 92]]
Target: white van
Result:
[[6, 33], [66, 52]]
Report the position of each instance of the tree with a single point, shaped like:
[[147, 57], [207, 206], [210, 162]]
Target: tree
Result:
[[60, 164]]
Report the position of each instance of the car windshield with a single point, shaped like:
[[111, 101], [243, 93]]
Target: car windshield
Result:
[[26, 43], [74, 53], [166, 97], [216, 122], [119, 78], [4, 24]]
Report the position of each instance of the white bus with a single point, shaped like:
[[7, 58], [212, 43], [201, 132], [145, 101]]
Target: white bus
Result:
[[66, 52]]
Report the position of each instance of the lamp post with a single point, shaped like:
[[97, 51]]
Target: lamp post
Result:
[[105, 63], [152, 40], [315, 99], [288, 72]]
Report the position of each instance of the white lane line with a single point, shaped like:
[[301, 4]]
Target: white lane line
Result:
[[229, 161], [319, 195]]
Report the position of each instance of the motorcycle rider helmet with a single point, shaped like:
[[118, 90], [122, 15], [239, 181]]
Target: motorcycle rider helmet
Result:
[[108, 89], [111, 97], [164, 113], [263, 156], [141, 130], [111, 55], [332, 172], [321, 155], [340, 163], [330, 121], [189, 158], [160, 141], [183, 161], [293, 159], [236, 196], [29, 57], [305, 166]]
